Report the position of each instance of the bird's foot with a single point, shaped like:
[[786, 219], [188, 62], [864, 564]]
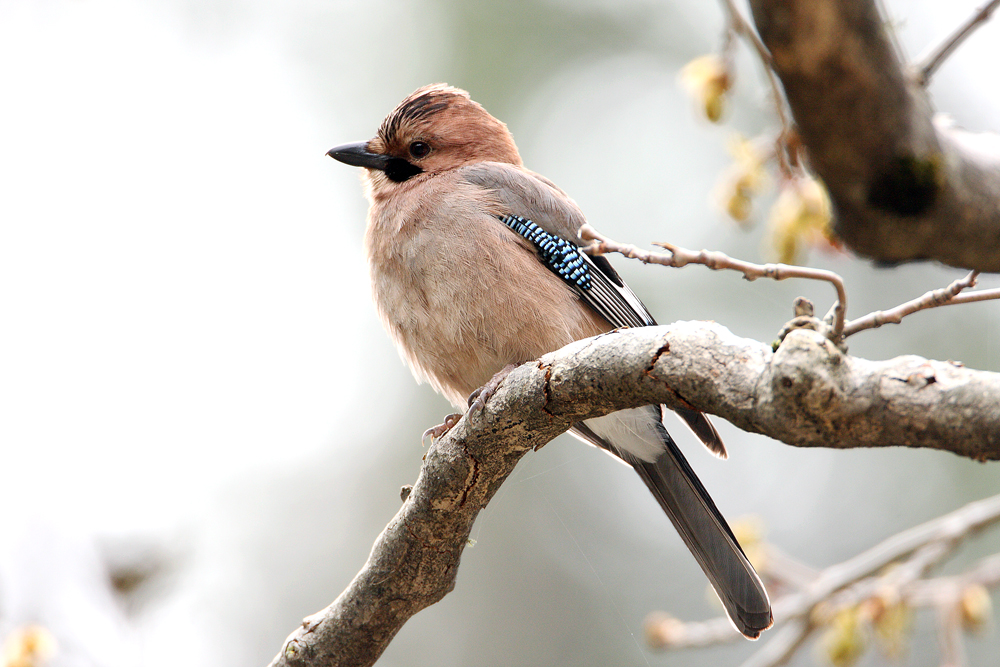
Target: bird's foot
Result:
[[436, 432], [477, 401], [478, 398]]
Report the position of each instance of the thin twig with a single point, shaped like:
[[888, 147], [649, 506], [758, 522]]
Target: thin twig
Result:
[[742, 27], [932, 61], [782, 645], [972, 297], [946, 296], [931, 592], [784, 569], [958, 524], [715, 260], [666, 631], [950, 635], [905, 574], [846, 584]]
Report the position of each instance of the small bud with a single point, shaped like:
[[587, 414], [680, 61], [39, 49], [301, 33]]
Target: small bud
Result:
[[801, 215], [750, 531], [28, 646], [739, 206], [707, 80], [976, 607], [844, 642], [663, 630], [891, 619], [743, 179], [803, 307]]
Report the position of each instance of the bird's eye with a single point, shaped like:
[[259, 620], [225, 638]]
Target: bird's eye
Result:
[[419, 149]]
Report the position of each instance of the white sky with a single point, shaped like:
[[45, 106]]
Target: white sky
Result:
[[170, 308]]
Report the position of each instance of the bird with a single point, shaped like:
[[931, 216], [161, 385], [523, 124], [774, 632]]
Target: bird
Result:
[[476, 267]]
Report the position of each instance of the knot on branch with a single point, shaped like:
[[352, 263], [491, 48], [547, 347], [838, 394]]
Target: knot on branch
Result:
[[808, 372], [908, 186], [805, 318]]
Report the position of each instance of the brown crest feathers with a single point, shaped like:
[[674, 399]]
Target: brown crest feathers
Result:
[[458, 130], [420, 104]]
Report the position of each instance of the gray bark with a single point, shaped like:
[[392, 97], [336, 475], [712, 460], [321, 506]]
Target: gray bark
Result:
[[807, 393], [904, 187]]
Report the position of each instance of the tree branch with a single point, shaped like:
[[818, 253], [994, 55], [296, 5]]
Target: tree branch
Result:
[[946, 296], [716, 260], [860, 579], [740, 26], [807, 393], [931, 62], [904, 187], [836, 329]]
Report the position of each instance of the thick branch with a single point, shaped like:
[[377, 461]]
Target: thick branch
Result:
[[904, 187], [414, 561], [807, 393]]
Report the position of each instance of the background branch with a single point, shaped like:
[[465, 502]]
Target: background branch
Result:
[[903, 186], [863, 585], [932, 61]]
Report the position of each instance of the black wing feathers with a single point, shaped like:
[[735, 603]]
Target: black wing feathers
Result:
[[599, 285], [701, 525], [709, 538], [593, 278]]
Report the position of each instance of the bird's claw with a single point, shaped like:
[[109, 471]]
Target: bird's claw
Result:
[[478, 398], [436, 432]]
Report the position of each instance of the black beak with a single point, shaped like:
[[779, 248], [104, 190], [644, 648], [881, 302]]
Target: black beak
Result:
[[357, 155]]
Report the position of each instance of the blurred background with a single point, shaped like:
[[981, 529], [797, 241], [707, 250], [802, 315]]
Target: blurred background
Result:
[[198, 398]]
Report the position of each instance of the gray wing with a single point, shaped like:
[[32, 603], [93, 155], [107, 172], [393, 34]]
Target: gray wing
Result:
[[535, 207], [529, 195]]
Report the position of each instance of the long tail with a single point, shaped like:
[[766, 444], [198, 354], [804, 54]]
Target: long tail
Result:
[[699, 423], [639, 438]]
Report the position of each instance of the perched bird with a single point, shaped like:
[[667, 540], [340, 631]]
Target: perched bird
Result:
[[475, 267]]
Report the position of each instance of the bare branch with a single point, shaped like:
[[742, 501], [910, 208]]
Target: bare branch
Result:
[[716, 260], [973, 297], [780, 648], [904, 187], [938, 55], [950, 636], [863, 577], [946, 296], [741, 27], [807, 393]]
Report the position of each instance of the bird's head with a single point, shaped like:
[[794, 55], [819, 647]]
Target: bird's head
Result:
[[436, 129]]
